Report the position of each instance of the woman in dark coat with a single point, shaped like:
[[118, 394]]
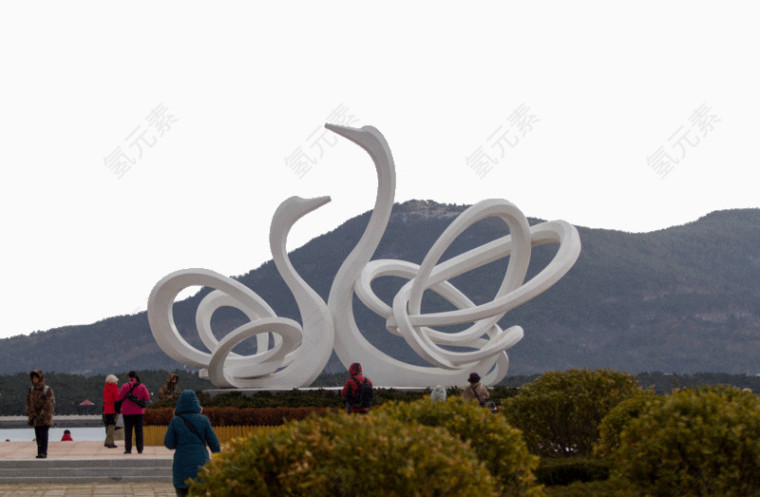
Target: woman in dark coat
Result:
[[40, 403], [189, 431]]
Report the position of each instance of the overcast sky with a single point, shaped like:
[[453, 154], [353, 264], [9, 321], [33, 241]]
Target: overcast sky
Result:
[[140, 138]]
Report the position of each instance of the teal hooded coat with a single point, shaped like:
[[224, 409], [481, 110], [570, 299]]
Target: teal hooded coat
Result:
[[191, 452]]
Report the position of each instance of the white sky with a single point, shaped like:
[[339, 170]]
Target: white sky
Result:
[[605, 85]]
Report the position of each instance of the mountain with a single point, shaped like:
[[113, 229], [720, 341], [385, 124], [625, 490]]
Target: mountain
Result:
[[682, 299]]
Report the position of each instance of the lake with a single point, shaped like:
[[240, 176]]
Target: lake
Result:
[[54, 435]]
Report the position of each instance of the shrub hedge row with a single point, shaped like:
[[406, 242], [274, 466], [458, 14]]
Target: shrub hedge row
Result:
[[233, 416], [345, 456], [321, 397], [693, 442]]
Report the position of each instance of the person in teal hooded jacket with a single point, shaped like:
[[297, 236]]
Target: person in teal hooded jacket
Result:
[[189, 431]]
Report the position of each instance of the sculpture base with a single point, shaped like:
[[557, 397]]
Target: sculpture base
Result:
[[250, 391]]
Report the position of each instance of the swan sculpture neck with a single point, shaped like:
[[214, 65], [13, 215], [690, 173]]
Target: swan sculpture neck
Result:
[[350, 344], [371, 140]]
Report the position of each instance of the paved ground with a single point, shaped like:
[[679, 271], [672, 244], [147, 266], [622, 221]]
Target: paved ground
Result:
[[83, 450], [79, 450], [90, 490]]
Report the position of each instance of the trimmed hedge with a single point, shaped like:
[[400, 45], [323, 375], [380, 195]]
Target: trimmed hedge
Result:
[[559, 413], [695, 442], [346, 456], [233, 416], [614, 422], [320, 397], [498, 445], [289, 404]]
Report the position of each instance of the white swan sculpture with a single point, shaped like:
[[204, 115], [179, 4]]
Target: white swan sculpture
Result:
[[297, 355], [485, 340]]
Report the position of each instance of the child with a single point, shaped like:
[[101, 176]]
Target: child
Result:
[[66, 436]]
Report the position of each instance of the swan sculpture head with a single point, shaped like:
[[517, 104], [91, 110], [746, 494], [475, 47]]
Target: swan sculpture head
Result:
[[293, 209], [367, 137]]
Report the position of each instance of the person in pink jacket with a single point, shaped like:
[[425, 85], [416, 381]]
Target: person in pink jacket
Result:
[[135, 397]]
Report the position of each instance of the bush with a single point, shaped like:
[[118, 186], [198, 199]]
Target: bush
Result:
[[559, 413], [158, 417], [614, 422], [499, 446], [566, 470], [695, 442], [316, 398], [346, 455]]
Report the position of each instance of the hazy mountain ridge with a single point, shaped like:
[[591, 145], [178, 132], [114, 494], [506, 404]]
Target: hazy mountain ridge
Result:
[[682, 299]]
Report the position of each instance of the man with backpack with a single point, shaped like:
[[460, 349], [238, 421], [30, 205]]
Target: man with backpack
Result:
[[357, 392], [478, 391]]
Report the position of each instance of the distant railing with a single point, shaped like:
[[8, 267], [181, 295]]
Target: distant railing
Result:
[[68, 420]]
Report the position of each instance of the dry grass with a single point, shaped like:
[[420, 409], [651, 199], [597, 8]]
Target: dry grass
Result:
[[154, 435]]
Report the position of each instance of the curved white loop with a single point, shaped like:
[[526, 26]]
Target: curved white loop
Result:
[[549, 232], [519, 256], [216, 300], [161, 316], [290, 335]]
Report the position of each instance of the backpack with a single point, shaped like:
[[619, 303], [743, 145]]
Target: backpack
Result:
[[362, 399], [485, 403], [134, 398], [45, 391]]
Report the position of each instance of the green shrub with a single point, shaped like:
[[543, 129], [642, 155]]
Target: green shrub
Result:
[[565, 470], [559, 413], [695, 442], [497, 444], [346, 455], [316, 398], [614, 422]]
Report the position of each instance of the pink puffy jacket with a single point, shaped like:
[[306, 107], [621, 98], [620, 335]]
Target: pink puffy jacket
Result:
[[128, 407]]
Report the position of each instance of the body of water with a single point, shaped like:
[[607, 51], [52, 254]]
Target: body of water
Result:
[[54, 435]]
